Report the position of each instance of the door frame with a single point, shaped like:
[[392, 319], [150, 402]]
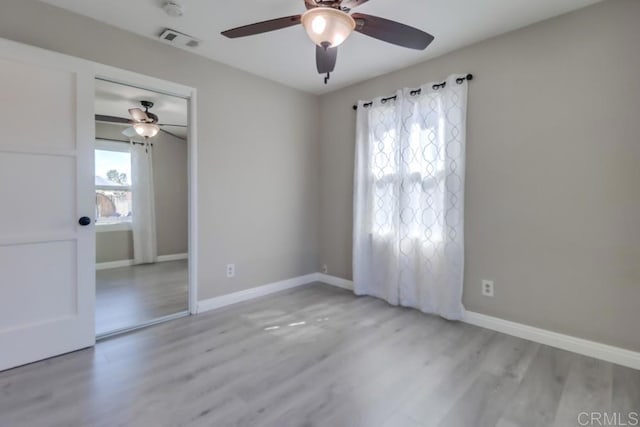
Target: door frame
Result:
[[130, 78]]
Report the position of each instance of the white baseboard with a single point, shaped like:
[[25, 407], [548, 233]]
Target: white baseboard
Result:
[[172, 257], [114, 264], [129, 262], [593, 349], [260, 291], [334, 281]]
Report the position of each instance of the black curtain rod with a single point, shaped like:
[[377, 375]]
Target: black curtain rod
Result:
[[415, 92], [123, 141], [141, 143]]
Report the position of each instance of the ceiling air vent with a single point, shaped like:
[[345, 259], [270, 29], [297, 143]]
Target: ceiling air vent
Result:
[[178, 38]]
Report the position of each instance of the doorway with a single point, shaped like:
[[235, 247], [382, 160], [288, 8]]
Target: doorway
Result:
[[47, 305], [141, 206]]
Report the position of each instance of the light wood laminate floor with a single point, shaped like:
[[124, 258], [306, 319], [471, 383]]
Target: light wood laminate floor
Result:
[[315, 356], [130, 296]]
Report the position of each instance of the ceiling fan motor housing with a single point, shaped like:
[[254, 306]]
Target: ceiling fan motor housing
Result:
[[152, 117]]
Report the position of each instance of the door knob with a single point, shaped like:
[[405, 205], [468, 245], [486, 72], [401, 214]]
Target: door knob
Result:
[[84, 221]]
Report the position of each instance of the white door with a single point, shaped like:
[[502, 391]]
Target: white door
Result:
[[47, 276]]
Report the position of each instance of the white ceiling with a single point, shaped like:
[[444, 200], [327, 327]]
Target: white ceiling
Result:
[[288, 56], [113, 99]]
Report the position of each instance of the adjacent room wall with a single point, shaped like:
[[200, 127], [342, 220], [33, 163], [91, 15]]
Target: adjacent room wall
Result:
[[171, 185], [552, 200], [114, 246], [258, 169], [170, 177]]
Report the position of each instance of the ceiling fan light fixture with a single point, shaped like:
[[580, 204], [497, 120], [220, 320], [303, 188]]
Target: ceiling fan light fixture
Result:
[[328, 27], [148, 130]]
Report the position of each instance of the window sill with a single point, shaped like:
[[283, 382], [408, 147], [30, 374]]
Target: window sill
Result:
[[103, 228]]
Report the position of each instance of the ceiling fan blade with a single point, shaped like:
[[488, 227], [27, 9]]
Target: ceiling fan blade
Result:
[[173, 134], [112, 119], [350, 4], [262, 27], [138, 115], [326, 59], [130, 132], [172, 125], [392, 32], [310, 4]]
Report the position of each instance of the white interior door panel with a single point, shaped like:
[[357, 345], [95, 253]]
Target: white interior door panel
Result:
[[47, 260]]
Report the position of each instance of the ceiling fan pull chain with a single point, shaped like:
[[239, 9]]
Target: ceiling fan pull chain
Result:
[[326, 79]]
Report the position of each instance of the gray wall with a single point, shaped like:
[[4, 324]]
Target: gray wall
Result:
[[170, 178], [114, 246], [257, 164], [552, 200]]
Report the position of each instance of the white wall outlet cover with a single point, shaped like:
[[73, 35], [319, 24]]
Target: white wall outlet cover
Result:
[[325, 269], [231, 270], [487, 288]]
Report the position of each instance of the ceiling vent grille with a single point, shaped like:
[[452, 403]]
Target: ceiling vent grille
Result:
[[178, 38]]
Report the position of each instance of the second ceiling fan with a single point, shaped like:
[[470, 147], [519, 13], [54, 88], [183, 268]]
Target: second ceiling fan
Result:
[[329, 22], [143, 123]]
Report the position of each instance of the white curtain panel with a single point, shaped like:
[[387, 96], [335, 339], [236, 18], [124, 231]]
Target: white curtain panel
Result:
[[409, 198], [145, 248]]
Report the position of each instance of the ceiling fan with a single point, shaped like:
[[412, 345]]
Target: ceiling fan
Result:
[[329, 22], [143, 123]]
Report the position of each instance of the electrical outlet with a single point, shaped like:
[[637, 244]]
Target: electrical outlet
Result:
[[487, 288], [231, 270], [325, 269]]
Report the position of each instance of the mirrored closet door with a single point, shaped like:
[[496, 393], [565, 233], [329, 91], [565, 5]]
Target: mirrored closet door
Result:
[[141, 208]]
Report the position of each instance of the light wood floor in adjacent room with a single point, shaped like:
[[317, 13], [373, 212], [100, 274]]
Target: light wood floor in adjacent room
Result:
[[130, 296], [315, 356]]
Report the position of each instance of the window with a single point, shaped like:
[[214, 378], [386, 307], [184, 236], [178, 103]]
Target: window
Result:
[[113, 186], [408, 172]]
